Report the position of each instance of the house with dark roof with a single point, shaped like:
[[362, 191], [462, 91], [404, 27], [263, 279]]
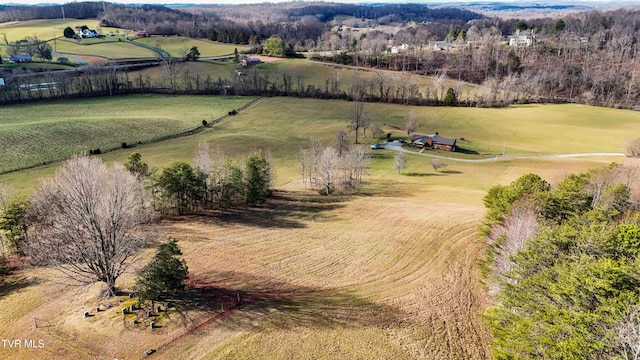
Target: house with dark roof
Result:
[[434, 141]]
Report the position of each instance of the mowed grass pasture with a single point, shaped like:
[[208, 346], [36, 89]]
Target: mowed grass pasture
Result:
[[107, 48], [178, 46], [35, 134], [388, 273], [42, 29]]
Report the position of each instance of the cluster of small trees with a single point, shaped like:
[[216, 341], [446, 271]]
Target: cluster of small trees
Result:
[[32, 46], [332, 169], [562, 265], [215, 181]]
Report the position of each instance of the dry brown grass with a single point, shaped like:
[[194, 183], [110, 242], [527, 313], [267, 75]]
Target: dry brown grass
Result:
[[356, 277]]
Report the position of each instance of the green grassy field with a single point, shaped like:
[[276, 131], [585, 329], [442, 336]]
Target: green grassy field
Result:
[[103, 47], [388, 273], [32, 134], [178, 46], [42, 29]]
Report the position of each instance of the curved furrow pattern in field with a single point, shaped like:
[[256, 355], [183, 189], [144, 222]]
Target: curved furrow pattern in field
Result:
[[405, 267]]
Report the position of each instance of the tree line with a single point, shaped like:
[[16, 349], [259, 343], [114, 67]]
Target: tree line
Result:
[[562, 266]]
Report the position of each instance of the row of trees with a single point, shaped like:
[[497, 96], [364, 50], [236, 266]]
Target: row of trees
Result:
[[215, 181], [109, 80], [562, 265]]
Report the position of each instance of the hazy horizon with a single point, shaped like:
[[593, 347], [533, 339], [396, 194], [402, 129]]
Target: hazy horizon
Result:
[[231, 2]]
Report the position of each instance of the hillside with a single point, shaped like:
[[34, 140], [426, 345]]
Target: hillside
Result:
[[390, 272]]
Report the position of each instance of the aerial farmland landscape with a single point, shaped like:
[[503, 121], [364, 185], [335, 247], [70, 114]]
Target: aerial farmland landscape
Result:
[[313, 180]]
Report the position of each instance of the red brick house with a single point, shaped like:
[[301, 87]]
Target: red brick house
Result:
[[434, 141]]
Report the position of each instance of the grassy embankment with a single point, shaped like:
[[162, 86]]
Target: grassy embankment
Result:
[[388, 274]]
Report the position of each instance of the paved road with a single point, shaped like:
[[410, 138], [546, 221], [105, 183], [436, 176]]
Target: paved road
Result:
[[70, 57], [163, 54], [397, 146]]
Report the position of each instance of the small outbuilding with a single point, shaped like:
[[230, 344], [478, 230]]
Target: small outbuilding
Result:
[[142, 34], [250, 61]]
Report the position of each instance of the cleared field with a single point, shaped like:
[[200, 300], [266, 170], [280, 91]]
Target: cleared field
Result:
[[178, 45], [283, 126], [42, 29], [33, 135], [388, 274], [106, 48]]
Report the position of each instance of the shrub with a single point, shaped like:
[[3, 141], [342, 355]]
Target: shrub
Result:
[[632, 149]]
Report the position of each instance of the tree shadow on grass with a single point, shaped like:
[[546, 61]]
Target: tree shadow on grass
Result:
[[466, 151], [417, 174], [13, 283], [285, 209], [451, 172], [270, 302]]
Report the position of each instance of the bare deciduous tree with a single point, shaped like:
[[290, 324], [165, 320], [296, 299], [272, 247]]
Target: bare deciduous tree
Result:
[[202, 158], [412, 124], [171, 71], [328, 169], [437, 164], [86, 221], [520, 225], [367, 119], [376, 129], [400, 162], [632, 148], [628, 332], [353, 163], [341, 142], [358, 118], [309, 160]]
